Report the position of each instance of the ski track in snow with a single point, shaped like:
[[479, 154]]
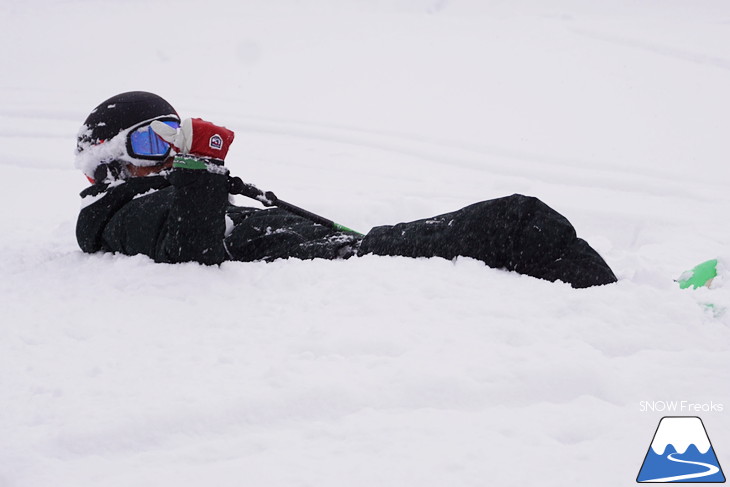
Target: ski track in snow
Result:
[[554, 170], [662, 50]]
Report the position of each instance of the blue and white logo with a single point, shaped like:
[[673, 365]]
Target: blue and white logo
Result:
[[680, 452], [216, 142]]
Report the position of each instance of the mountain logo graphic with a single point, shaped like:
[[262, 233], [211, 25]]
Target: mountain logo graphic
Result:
[[680, 452]]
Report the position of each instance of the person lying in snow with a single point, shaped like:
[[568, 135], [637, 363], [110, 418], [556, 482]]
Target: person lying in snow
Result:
[[160, 188]]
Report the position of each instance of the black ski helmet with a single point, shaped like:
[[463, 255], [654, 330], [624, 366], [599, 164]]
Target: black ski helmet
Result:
[[100, 139]]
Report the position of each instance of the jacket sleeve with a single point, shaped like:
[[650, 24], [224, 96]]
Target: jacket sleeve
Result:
[[101, 202], [175, 219], [195, 226]]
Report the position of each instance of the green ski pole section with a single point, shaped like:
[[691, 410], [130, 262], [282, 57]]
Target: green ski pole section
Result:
[[343, 228]]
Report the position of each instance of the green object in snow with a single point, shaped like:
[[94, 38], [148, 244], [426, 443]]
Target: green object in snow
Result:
[[701, 275]]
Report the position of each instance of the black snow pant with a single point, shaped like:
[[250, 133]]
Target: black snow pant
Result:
[[516, 233]]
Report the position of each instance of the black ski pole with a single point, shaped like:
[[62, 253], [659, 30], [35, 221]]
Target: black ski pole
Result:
[[267, 198]]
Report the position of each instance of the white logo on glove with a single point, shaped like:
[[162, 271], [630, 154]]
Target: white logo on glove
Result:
[[216, 142]]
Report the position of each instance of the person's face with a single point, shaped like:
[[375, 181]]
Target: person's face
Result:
[[142, 171]]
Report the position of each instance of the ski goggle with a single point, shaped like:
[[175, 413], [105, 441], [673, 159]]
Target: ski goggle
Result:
[[144, 143]]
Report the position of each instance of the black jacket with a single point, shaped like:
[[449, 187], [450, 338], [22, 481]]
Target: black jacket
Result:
[[181, 216]]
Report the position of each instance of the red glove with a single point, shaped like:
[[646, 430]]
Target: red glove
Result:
[[197, 137]]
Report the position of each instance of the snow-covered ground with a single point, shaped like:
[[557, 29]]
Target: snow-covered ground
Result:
[[116, 371]]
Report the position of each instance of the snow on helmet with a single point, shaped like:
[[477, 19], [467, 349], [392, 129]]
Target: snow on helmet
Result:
[[117, 132]]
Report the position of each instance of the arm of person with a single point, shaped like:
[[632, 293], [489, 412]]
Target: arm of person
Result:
[[195, 227], [101, 202], [177, 218]]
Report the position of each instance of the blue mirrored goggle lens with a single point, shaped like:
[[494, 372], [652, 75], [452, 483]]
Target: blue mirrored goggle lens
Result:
[[145, 142]]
